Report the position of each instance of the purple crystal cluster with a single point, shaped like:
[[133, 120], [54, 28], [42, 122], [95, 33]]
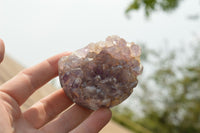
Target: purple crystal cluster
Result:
[[102, 74]]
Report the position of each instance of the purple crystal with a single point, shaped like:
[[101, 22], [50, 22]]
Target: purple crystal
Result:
[[102, 74]]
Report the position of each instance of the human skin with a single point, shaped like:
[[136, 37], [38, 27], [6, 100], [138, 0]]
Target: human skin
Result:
[[50, 114]]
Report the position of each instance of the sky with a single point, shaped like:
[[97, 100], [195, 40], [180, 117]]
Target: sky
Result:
[[37, 29]]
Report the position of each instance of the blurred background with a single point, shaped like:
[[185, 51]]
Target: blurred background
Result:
[[167, 98]]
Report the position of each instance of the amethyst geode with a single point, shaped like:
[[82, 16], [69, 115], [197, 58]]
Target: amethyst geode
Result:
[[102, 74]]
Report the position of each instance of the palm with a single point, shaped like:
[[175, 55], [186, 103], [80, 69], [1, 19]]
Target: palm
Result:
[[50, 114], [12, 120]]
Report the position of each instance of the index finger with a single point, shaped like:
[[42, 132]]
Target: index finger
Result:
[[29, 80]]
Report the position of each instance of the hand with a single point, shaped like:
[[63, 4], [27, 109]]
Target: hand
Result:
[[45, 116]]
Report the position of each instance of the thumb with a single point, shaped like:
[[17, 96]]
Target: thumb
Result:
[[2, 50]]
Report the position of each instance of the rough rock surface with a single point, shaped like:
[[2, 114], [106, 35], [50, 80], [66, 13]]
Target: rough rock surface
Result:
[[102, 74]]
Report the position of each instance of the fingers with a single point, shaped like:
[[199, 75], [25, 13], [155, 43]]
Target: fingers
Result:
[[47, 109], [26, 82], [95, 122], [2, 50], [68, 120]]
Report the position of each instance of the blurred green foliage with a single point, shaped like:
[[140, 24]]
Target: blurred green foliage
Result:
[[152, 5], [170, 97], [124, 117], [176, 86]]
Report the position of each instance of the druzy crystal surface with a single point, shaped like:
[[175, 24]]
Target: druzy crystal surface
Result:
[[102, 74]]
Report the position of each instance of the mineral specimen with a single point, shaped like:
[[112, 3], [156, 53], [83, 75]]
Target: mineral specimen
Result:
[[102, 74]]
